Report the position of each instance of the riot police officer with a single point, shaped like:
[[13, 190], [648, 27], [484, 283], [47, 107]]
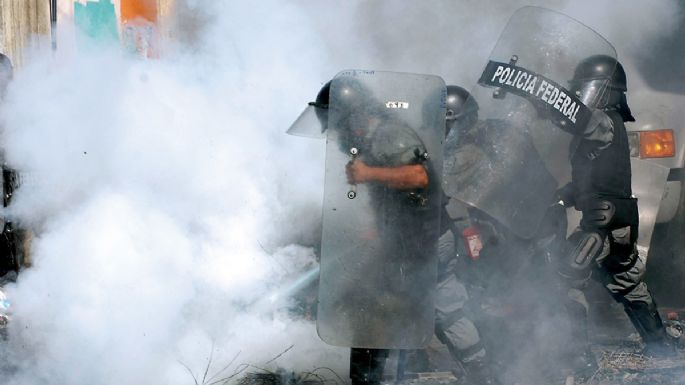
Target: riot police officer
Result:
[[604, 245], [454, 326], [506, 267], [395, 165]]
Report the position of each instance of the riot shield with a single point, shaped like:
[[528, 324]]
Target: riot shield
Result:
[[513, 161], [309, 124], [379, 241]]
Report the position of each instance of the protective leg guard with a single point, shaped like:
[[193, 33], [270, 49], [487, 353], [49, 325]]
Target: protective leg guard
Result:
[[648, 324], [582, 362], [578, 324], [479, 373], [367, 365], [582, 248], [646, 320]]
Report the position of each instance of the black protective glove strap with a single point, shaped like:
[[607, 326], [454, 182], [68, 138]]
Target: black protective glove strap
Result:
[[553, 223], [565, 194]]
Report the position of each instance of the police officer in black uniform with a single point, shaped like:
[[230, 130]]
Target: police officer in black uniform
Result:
[[604, 245]]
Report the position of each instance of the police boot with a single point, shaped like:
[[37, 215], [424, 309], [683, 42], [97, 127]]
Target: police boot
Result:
[[648, 324], [582, 361], [583, 364], [367, 366], [418, 361], [478, 373]]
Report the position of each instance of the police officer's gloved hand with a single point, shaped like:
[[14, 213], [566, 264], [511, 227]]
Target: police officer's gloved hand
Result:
[[565, 196]]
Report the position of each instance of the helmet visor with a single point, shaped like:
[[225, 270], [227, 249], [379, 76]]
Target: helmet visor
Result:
[[590, 92], [311, 123]]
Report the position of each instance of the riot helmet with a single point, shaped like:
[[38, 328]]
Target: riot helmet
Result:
[[356, 110], [351, 99], [313, 121], [353, 102], [462, 109], [6, 73], [321, 105], [599, 81]]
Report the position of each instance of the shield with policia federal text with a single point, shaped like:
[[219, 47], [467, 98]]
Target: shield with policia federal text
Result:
[[511, 163], [379, 241]]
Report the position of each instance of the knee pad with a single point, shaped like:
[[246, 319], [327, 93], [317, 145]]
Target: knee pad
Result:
[[581, 249]]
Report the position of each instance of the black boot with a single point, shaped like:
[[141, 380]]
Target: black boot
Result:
[[648, 324], [367, 365], [584, 364], [581, 360], [479, 373]]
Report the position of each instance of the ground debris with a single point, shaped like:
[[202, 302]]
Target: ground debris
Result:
[[622, 366], [622, 360], [635, 361], [319, 376], [617, 365], [430, 378], [261, 379]]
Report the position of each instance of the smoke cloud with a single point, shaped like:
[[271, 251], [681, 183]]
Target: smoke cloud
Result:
[[169, 206]]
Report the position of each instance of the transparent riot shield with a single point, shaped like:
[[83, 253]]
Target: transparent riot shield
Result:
[[309, 124], [648, 185], [379, 241], [511, 163]]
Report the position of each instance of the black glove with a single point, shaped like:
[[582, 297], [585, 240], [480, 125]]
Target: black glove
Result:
[[566, 196]]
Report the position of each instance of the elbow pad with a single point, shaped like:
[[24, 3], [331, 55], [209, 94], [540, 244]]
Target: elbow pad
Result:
[[610, 214]]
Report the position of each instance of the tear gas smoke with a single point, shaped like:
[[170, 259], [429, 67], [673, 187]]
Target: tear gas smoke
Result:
[[164, 194], [169, 203]]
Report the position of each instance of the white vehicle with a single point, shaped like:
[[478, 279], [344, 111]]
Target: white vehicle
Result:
[[657, 135]]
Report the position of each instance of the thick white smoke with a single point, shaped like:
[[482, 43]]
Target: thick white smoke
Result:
[[163, 193], [168, 202], [454, 38]]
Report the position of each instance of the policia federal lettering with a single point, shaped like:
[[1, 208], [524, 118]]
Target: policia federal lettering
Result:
[[571, 114]]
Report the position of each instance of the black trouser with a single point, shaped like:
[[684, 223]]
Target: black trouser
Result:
[[619, 269], [8, 249], [367, 365]]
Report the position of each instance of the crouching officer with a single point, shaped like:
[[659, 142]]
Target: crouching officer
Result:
[[454, 326]]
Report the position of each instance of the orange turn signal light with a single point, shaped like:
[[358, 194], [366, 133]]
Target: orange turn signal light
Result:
[[657, 144]]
